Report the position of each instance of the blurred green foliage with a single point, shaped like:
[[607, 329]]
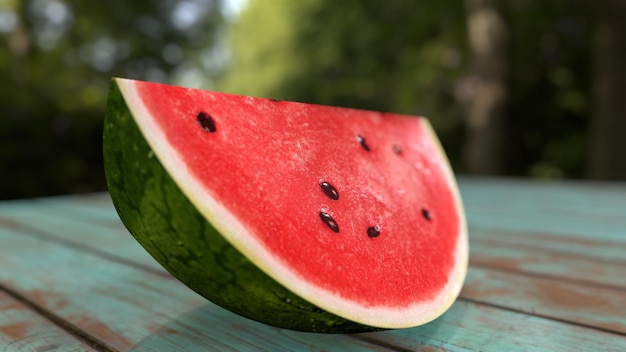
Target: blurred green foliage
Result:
[[400, 56], [397, 55], [550, 86], [56, 61], [403, 56], [413, 57]]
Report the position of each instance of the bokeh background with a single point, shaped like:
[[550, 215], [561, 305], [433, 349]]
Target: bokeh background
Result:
[[526, 88]]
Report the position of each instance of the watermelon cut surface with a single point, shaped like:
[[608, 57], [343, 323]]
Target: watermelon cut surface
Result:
[[301, 216]]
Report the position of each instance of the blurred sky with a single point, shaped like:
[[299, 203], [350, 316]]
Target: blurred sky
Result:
[[234, 7]]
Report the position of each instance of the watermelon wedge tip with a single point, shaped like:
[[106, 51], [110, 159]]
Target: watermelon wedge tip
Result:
[[301, 216]]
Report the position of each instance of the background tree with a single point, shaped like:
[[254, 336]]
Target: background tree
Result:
[[549, 108], [414, 57], [608, 153], [485, 146]]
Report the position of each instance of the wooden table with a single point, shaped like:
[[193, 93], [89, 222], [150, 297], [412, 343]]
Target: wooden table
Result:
[[547, 273]]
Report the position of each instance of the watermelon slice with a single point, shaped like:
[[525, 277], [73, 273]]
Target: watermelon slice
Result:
[[301, 216]]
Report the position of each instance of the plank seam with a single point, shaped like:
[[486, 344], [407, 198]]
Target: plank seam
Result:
[[612, 219], [51, 237], [374, 341], [542, 316], [63, 324], [563, 253], [567, 280]]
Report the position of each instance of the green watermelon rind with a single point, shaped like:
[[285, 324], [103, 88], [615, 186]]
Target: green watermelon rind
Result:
[[166, 216], [163, 220]]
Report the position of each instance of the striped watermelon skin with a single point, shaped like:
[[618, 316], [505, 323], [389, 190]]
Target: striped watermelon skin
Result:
[[167, 222]]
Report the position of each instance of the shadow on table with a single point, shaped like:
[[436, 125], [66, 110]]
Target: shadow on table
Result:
[[209, 327]]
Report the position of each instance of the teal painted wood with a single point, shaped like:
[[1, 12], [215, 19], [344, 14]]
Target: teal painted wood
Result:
[[529, 285], [134, 310], [131, 309], [544, 256], [569, 226], [589, 247], [475, 327], [593, 249], [565, 301], [550, 265], [571, 210], [91, 207], [547, 263], [23, 330], [78, 222], [478, 193], [582, 198]]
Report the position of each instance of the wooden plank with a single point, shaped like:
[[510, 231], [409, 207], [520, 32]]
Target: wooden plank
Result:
[[592, 249], [126, 291], [553, 264], [94, 206], [135, 310], [602, 201], [474, 327], [584, 211], [517, 255], [90, 209], [552, 243], [489, 223], [567, 226], [586, 305], [21, 329], [513, 252], [582, 198], [132, 309], [482, 224], [100, 231]]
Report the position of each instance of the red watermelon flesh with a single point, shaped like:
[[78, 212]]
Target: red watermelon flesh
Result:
[[355, 211]]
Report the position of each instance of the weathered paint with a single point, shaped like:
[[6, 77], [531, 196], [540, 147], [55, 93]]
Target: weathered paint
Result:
[[530, 287], [580, 199], [23, 330], [593, 249], [570, 210], [574, 302], [475, 327], [52, 223], [131, 309], [554, 264]]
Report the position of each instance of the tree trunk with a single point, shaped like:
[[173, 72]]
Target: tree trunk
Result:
[[484, 149], [20, 39], [608, 127]]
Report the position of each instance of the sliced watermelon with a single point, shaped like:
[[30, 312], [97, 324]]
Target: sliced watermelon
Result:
[[301, 216]]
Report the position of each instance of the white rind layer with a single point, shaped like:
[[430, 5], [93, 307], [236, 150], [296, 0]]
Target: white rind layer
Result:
[[235, 233]]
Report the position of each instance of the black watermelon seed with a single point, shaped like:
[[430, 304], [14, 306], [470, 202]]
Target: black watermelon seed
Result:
[[329, 190], [361, 140], [426, 214], [373, 231], [397, 149], [329, 221], [276, 100], [206, 121]]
